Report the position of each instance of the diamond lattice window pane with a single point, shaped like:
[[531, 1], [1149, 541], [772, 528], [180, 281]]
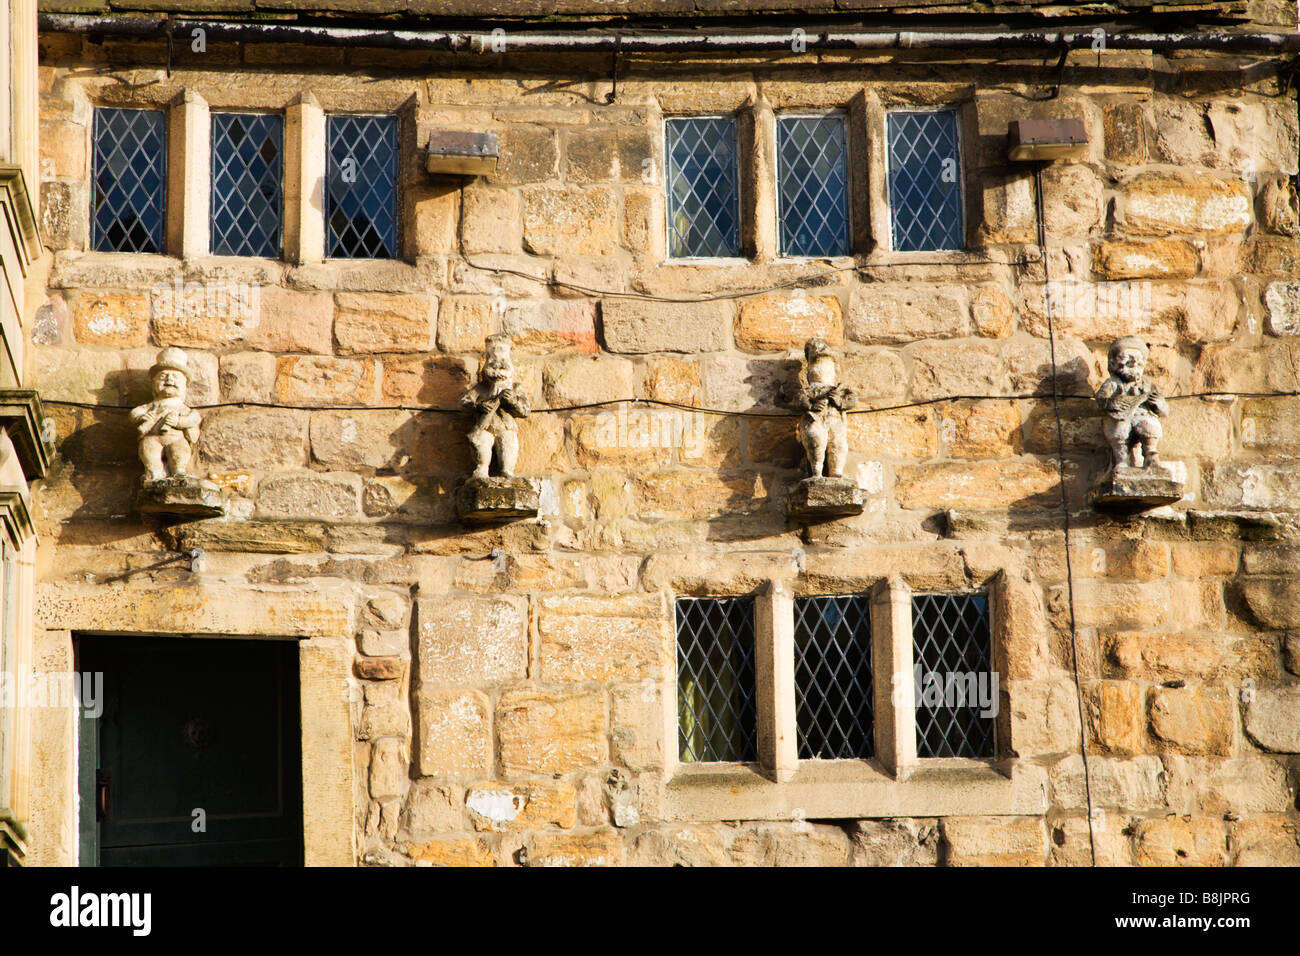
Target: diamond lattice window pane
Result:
[[130, 180], [361, 200], [955, 693], [925, 181], [715, 679], [247, 159], [812, 179], [703, 187], [832, 661]]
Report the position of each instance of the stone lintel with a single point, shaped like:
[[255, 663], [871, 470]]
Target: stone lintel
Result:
[[497, 499], [814, 499], [20, 416]]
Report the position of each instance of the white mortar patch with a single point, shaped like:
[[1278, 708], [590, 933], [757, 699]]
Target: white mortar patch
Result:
[[499, 806]]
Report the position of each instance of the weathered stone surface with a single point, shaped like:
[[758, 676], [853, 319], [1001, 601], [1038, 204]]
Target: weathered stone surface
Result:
[[205, 314], [1004, 484], [465, 322], [497, 499], [636, 726], [907, 314], [1044, 717], [815, 499], [455, 733], [636, 326], [1133, 785], [235, 439], [671, 380], [551, 731], [1282, 300], [465, 641], [1265, 841], [290, 321], [1126, 486], [309, 495], [388, 763], [436, 381], [602, 639], [582, 381], [366, 323], [782, 845], [463, 851], [906, 433], [318, 380], [1193, 720], [1160, 259], [1160, 204], [992, 841], [941, 369], [689, 845], [113, 318], [1116, 718], [434, 808], [247, 377], [512, 808], [1274, 602], [774, 323], [1273, 719], [1159, 656], [566, 221], [602, 848], [901, 842], [551, 325], [981, 430], [491, 221], [992, 312], [1180, 841]]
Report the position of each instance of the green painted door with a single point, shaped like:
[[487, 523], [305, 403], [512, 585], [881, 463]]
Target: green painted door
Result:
[[195, 759]]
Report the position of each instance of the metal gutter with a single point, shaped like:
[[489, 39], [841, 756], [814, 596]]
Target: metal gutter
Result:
[[667, 41]]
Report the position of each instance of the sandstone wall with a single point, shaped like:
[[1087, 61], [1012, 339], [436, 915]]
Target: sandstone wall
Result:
[[508, 684]]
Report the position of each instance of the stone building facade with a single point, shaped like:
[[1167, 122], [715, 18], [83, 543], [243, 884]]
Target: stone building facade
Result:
[[513, 693]]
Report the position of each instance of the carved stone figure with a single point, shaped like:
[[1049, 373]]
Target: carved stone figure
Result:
[[492, 493], [822, 430], [169, 430], [168, 427], [496, 403], [1133, 406]]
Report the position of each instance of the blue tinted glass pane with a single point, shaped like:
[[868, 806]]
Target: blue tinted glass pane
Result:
[[812, 179], [956, 697], [361, 198], [129, 181], [247, 159], [703, 190], [925, 181]]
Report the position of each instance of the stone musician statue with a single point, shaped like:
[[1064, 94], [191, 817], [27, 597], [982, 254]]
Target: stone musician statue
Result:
[[496, 403], [168, 427], [1133, 406], [822, 430]]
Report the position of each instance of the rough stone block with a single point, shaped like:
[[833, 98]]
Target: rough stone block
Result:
[[551, 732], [1193, 720], [455, 733], [1161, 204], [993, 841], [602, 639], [1273, 719], [497, 499], [119, 319], [366, 323], [1180, 841], [907, 314], [291, 321], [309, 495], [512, 808], [183, 497], [602, 848], [820, 498], [320, 380], [635, 326], [775, 323], [566, 221], [468, 641]]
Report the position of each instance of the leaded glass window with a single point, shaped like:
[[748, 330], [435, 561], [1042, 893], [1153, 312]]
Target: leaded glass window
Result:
[[361, 198], [956, 686], [717, 718], [925, 181], [247, 177], [703, 180], [832, 660], [812, 182], [130, 180]]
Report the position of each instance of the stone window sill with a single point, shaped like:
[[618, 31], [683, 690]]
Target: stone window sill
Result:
[[854, 789]]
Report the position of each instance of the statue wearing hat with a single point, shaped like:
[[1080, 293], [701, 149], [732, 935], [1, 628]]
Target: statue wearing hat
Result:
[[169, 430], [168, 427]]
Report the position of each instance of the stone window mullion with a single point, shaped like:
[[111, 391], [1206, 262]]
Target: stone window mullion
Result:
[[891, 637], [189, 187], [778, 732]]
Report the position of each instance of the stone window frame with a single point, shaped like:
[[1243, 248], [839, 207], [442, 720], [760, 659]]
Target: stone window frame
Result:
[[746, 136], [187, 222], [876, 110], [780, 786], [854, 184]]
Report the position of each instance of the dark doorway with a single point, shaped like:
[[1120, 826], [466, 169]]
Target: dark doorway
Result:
[[195, 759]]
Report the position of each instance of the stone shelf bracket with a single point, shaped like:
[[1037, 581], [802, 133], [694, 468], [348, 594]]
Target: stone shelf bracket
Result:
[[21, 416]]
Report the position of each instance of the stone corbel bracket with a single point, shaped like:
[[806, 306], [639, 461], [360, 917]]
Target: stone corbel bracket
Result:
[[497, 499], [21, 416]]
